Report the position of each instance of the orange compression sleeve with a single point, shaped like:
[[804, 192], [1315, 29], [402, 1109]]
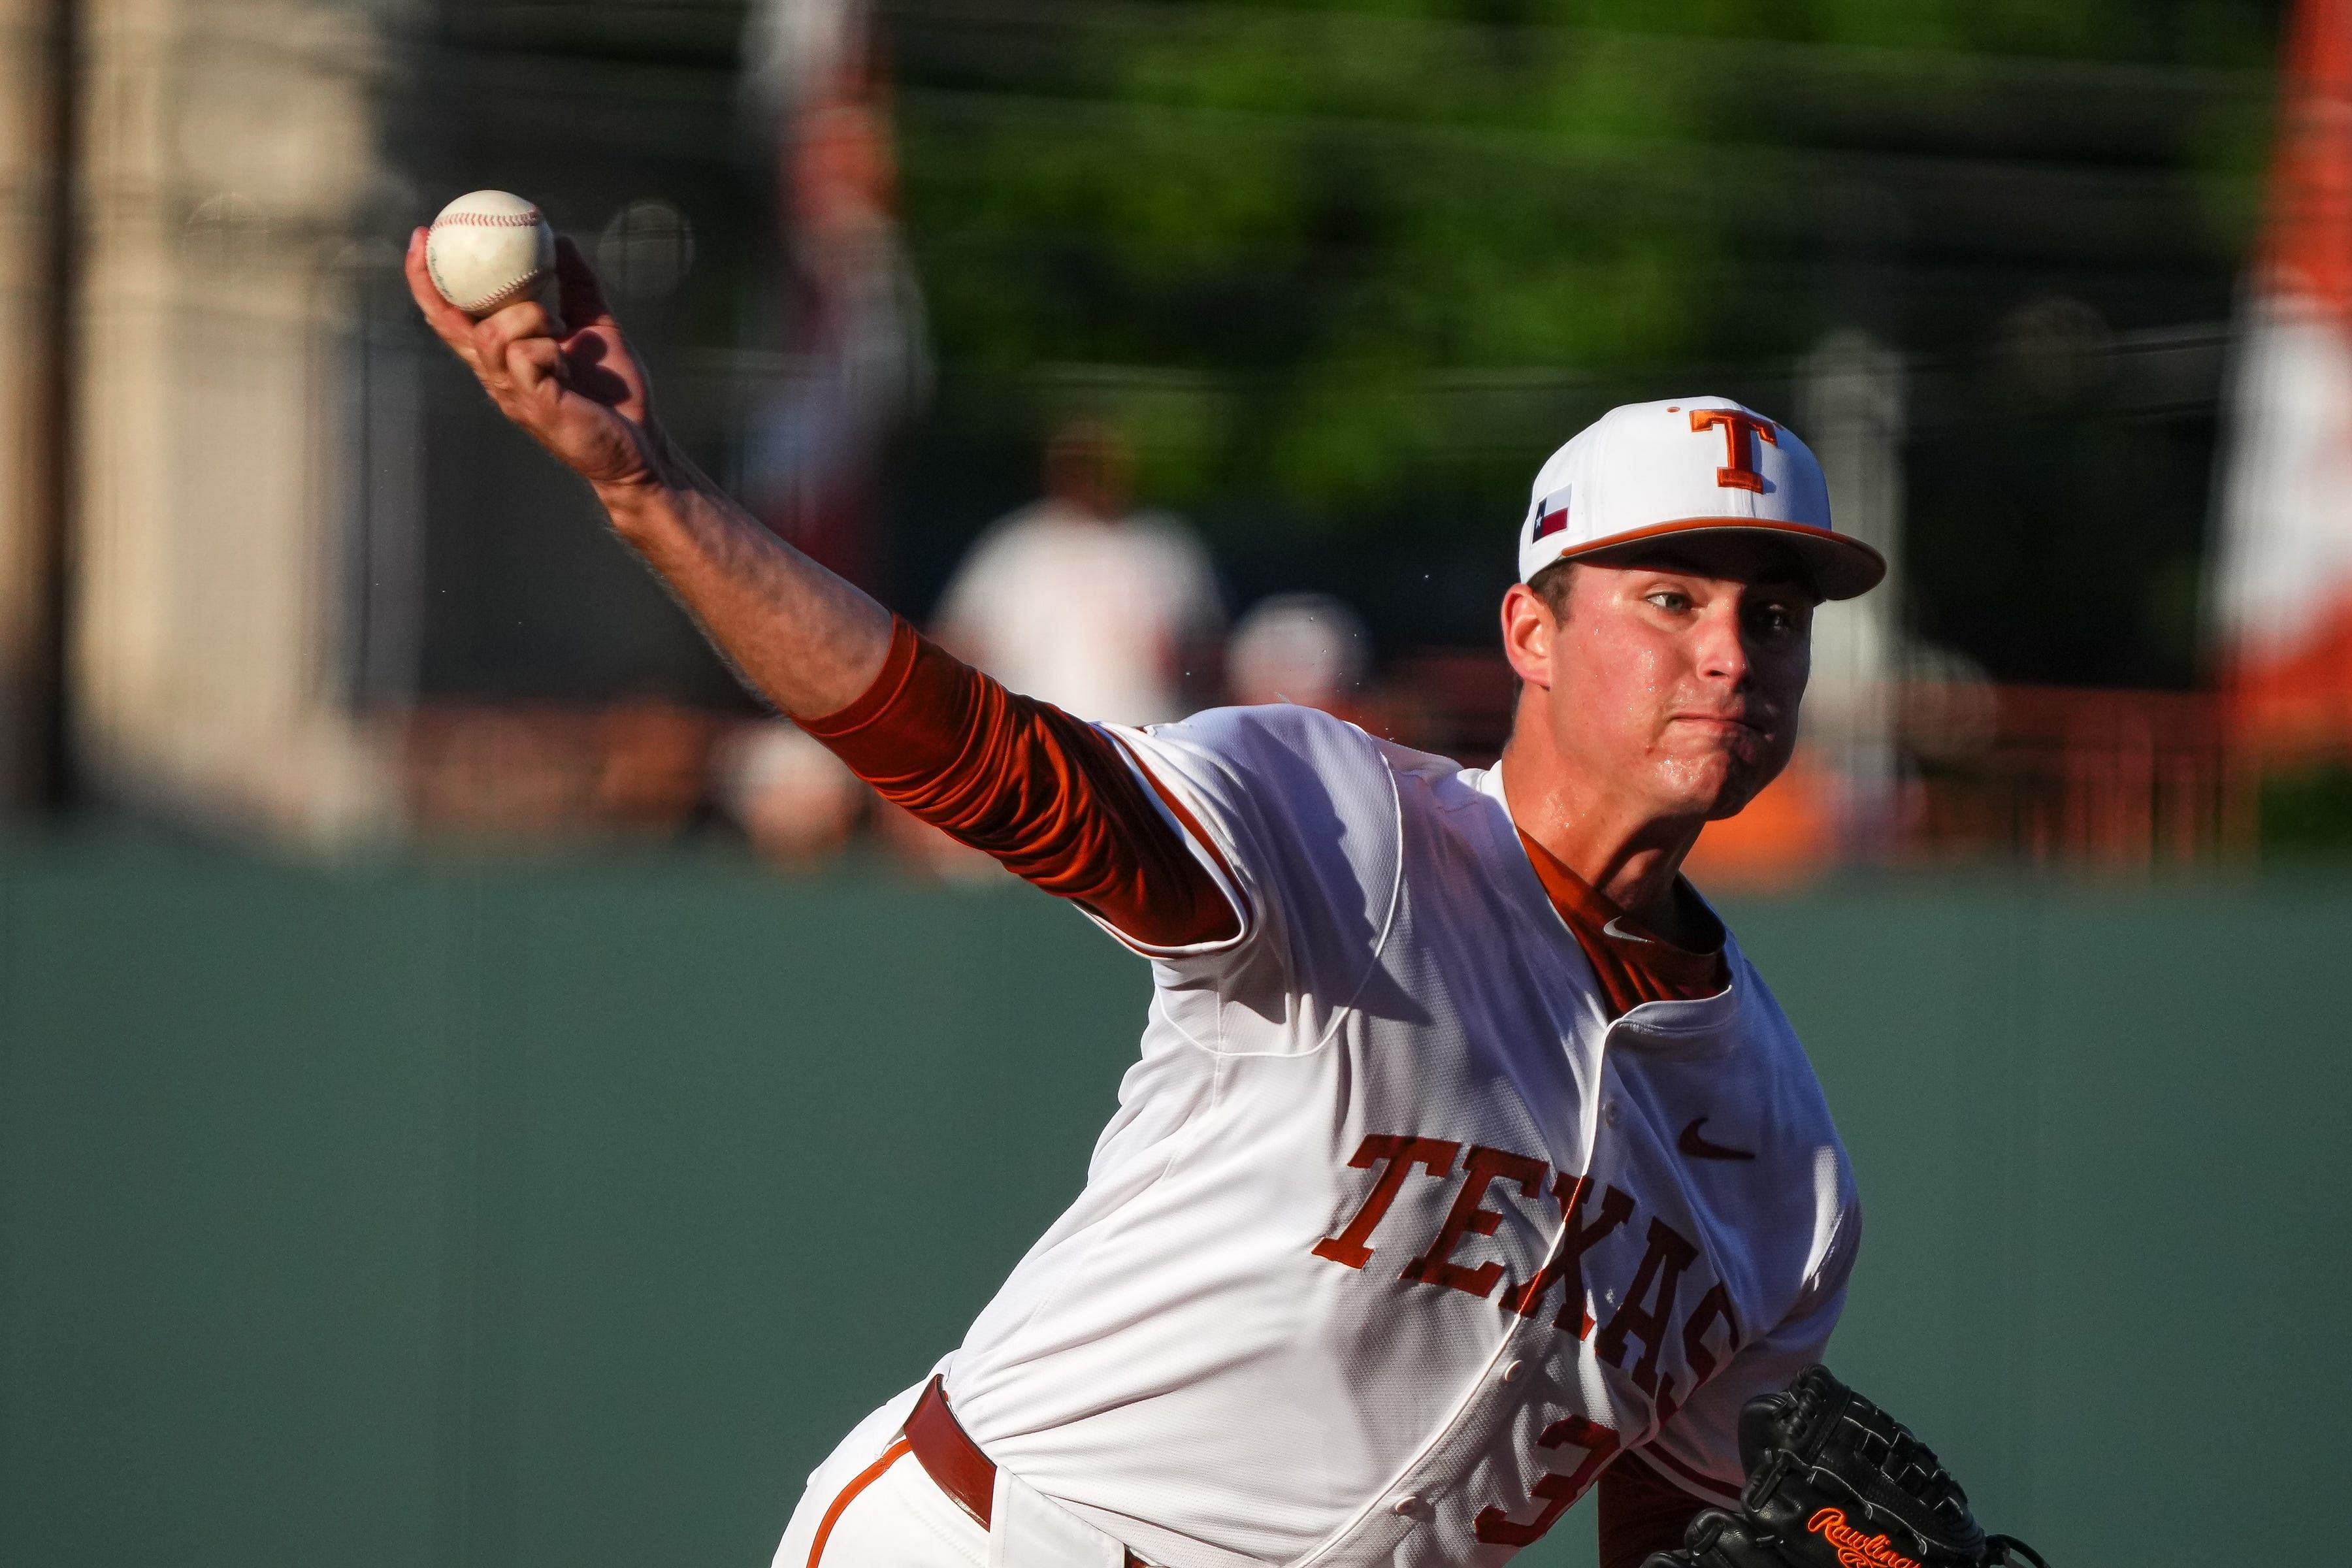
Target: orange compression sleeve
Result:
[[1048, 794]]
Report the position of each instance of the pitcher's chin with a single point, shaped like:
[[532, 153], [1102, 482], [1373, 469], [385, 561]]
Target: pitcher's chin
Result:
[[1741, 781]]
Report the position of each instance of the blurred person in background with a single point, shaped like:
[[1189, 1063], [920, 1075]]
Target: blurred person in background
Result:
[[796, 803], [1081, 600], [1308, 649], [858, 365]]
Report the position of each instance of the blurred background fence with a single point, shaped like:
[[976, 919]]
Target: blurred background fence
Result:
[[2061, 293], [472, 1216]]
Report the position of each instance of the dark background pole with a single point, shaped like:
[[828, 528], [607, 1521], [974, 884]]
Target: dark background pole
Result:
[[44, 780]]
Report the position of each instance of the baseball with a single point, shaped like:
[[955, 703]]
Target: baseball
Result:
[[488, 250]]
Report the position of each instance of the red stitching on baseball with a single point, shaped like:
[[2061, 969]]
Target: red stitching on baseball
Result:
[[490, 220]]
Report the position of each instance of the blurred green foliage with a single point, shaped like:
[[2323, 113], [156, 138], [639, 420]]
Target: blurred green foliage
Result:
[[2307, 812], [1332, 259]]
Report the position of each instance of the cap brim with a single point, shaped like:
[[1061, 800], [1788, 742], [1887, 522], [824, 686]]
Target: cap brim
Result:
[[1841, 567]]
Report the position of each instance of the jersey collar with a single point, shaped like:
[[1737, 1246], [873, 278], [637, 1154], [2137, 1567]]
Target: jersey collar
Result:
[[1703, 1026]]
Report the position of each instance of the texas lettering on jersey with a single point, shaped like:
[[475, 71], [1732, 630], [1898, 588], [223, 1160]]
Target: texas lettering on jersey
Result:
[[1649, 1312]]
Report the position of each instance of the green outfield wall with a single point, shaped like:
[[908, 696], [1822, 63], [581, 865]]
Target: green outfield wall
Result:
[[561, 1216]]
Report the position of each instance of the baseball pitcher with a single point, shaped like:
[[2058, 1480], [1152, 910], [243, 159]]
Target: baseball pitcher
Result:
[[1466, 1166]]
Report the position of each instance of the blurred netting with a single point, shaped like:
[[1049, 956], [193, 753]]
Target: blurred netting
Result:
[[1334, 276]]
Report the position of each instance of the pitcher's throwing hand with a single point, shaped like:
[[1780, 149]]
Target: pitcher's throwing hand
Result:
[[573, 383]]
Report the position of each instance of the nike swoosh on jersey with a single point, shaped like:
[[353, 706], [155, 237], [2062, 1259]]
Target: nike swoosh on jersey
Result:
[[1612, 928], [1698, 1148]]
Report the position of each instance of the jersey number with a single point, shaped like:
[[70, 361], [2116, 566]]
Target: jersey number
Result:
[[1557, 1492]]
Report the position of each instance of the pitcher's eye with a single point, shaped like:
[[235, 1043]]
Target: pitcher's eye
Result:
[[1667, 599]]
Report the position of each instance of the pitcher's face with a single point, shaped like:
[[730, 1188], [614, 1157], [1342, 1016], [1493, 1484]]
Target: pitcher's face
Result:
[[1675, 675]]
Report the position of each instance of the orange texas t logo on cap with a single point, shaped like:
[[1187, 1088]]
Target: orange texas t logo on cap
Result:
[[1738, 424]]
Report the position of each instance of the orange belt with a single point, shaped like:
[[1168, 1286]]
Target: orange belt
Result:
[[954, 1461]]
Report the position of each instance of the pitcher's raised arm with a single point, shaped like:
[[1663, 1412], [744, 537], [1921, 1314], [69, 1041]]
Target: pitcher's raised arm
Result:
[[1049, 796], [808, 641]]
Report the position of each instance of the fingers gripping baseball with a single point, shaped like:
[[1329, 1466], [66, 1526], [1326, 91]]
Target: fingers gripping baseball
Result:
[[520, 344], [571, 384]]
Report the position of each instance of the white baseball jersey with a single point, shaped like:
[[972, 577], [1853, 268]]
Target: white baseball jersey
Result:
[[1396, 1241]]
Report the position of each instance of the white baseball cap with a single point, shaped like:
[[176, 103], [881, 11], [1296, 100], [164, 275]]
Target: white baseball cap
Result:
[[1696, 464]]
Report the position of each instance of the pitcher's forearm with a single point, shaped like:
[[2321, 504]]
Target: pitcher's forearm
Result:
[[1052, 797], [810, 642]]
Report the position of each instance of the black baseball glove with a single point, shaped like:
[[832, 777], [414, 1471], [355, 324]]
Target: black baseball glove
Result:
[[1833, 1481]]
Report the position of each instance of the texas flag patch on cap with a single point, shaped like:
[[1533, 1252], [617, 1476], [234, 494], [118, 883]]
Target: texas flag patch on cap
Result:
[[1552, 512]]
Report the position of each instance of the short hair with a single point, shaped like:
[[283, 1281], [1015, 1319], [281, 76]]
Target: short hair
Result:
[[1552, 586]]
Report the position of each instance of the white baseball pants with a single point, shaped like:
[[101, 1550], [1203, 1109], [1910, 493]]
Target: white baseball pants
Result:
[[872, 1505]]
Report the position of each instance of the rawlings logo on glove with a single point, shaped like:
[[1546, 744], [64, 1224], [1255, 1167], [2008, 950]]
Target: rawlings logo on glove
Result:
[[1833, 1481], [1855, 1549]]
